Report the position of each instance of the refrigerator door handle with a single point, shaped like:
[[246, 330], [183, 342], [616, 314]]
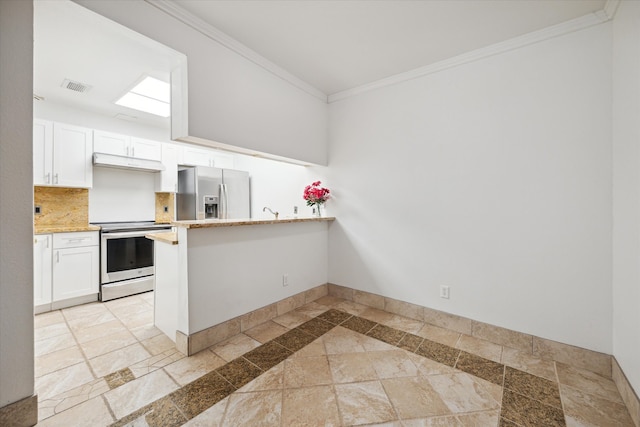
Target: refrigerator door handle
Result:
[[223, 201]]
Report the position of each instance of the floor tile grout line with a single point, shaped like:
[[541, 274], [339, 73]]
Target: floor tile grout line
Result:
[[178, 408], [166, 373], [555, 370], [75, 338], [106, 403], [395, 410], [335, 394]]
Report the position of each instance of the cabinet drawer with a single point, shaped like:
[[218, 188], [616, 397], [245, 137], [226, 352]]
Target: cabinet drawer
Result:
[[75, 240]]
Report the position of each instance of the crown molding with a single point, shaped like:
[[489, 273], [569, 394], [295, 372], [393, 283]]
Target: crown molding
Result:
[[611, 7], [172, 9], [572, 25]]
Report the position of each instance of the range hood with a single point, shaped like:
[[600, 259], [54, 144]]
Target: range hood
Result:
[[123, 162]]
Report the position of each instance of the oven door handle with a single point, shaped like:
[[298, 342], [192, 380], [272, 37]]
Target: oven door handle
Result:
[[129, 234]]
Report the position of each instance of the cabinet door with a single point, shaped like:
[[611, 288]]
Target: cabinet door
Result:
[[75, 272], [167, 180], [146, 149], [72, 153], [192, 156], [111, 143], [223, 160], [42, 152], [42, 245]]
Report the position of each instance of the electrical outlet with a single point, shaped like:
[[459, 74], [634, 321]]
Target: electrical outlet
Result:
[[444, 292], [166, 209], [37, 210], [285, 280]]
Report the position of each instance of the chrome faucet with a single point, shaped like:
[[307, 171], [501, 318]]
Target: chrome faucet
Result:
[[267, 209]]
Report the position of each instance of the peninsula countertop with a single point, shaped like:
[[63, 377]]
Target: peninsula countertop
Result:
[[209, 223]]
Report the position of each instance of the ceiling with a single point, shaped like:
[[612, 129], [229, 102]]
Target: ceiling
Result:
[[331, 45], [338, 45]]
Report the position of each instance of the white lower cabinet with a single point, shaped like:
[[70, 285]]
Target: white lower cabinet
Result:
[[69, 263], [42, 250]]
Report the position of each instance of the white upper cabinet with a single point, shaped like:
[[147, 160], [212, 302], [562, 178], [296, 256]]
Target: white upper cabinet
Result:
[[223, 160], [62, 155], [111, 143], [167, 180], [72, 154], [146, 149], [124, 145], [42, 152], [192, 156]]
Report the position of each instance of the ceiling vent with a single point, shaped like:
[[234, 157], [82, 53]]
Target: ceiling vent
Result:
[[125, 117], [38, 97], [75, 86]]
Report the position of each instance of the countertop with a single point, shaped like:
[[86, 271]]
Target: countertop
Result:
[[168, 237], [46, 229], [209, 223]]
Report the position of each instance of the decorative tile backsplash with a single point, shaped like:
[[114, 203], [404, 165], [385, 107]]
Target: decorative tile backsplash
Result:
[[61, 206], [165, 207]]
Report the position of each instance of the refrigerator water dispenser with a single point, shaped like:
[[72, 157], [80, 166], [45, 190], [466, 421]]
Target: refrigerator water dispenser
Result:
[[210, 207]]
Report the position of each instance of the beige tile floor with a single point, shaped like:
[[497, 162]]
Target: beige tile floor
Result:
[[100, 363]]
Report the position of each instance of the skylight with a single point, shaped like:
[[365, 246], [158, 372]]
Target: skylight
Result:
[[150, 95]]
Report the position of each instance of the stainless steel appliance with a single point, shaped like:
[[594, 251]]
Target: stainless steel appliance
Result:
[[207, 193], [126, 258]]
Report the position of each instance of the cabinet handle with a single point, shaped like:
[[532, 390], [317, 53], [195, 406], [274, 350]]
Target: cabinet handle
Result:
[[58, 257], [47, 238], [55, 178], [47, 177], [77, 239], [133, 151]]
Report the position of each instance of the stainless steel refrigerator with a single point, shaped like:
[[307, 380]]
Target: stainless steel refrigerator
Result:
[[209, 193]]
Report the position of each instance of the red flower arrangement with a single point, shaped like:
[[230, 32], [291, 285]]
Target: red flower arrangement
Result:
[[315, 195]]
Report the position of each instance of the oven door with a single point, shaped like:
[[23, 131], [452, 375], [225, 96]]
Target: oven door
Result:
[[125, 255]]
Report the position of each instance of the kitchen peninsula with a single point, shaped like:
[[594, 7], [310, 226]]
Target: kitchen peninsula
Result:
[[217, 278]]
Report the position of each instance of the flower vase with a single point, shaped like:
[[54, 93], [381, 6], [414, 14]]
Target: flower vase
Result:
[[318, 213]]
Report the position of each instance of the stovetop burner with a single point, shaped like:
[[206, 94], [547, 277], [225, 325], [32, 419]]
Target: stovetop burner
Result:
[[112, 227]]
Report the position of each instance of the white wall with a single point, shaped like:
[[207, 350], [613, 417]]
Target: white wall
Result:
[[16, 201], [493, 178], [231, 99], [122, 195], [219, 290], [626, 190], [278, 185]]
